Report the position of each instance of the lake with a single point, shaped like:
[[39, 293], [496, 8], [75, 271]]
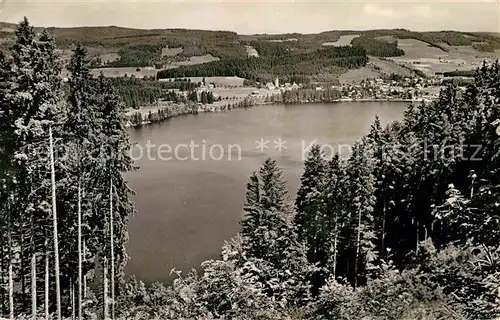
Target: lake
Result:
[[190, 188]]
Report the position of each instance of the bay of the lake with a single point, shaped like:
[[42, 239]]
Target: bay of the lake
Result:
[[190, 188]]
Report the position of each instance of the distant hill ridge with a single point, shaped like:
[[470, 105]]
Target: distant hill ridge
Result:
[[114, 36], [113, 46]]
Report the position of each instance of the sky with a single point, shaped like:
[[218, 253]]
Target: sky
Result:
[[258, 16]]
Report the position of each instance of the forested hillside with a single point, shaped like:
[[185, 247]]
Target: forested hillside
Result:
[[378, 48], [140, 47], [138, 92], [277, 62], [406, 227], [222, 44], [481, 40]]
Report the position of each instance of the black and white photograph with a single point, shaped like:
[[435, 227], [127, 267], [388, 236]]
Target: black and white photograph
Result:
[[249, 160]]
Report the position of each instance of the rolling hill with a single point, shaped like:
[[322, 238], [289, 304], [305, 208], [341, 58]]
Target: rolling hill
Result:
[[119, 47]]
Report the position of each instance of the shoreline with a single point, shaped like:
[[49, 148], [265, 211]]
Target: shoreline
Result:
[[359, 100], [168, 112]]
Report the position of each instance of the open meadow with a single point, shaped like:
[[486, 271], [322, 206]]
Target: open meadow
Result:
[[431, 60]]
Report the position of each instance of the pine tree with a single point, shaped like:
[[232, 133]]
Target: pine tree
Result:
[[203, 98], [112, 252], [55, 231], [210, 97], [360, 202], [310, 203], [114, 162], [81, 116], [35, 108], [11, 259], [274, 194], [383, 144], [268, 232], [7, 142], [335, 210]]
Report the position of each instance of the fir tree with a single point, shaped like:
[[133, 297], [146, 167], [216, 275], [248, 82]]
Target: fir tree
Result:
[[35, 110], [274, 194], [81, 116], [360, 193], [310, 203], [335, 211], [115, 161], [268, 233]]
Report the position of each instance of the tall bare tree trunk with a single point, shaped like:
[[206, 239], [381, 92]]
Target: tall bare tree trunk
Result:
[[112, 244], [2, 271], [335, 240], [84, 276], [23, 264], [105, 291], [72, 293], [54, 218], [47, 278], [382, 249], [11, 280], [358, 238], [418, 238], [11, 288], [33, 285], [79, 249], [33, 265]]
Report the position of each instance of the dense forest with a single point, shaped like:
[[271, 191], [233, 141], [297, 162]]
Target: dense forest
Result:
[[271, 49], [406, 227], [64, 203], [222, 44], [278, 63], [310, 95], [458, 73], [378, 48], [139, 92], [139, 55], [138, 119], [372, 46]]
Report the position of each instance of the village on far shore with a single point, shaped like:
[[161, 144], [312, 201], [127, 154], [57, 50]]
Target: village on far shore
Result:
[[233, 92]]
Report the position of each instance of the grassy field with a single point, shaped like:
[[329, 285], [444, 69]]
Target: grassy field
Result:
[[192, 61], [121, 72], [141, 72], [431, 60], [415, 49], [376, 68], [344, 40], [357, 75], [171, 52]]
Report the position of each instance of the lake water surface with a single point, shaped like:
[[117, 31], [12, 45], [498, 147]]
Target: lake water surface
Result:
[[189, 202]]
